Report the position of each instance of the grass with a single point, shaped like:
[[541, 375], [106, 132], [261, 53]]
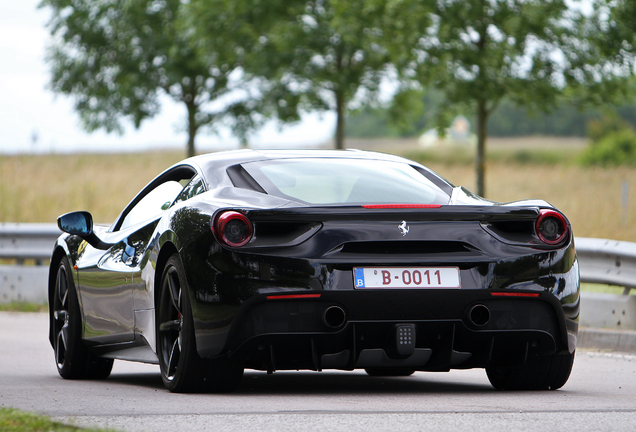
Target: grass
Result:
[[591, 197], [38, 188], [16, 306], [12, 420], [605, 289]]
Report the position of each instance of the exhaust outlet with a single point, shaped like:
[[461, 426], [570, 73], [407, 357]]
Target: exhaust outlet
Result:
[[334, 316], [479, 315]]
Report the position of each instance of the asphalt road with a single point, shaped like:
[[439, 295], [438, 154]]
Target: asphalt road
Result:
[[600, 396]]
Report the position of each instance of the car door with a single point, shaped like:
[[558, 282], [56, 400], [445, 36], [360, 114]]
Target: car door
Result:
[[105, 294], [142, 270], [106, 277]]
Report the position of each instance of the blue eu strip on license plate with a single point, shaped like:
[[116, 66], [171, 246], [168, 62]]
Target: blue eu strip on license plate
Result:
[[359, 277]]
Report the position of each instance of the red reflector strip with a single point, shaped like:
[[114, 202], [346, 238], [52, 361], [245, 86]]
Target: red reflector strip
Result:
[[514, 294], [292, 296], [400, 206]]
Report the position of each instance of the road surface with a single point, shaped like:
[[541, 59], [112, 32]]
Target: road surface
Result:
[[600, 396]]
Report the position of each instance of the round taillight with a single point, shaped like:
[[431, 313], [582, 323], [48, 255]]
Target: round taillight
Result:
[[233, 228], [551, 227]]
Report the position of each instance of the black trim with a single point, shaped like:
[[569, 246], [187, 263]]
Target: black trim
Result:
[[242, 179]]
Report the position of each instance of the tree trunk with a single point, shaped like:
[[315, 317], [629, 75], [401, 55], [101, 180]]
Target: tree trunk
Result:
[[480, 160], [192, 127], [340, 121]]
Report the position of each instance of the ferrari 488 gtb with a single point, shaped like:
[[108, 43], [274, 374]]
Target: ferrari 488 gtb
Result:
[[276, 260]]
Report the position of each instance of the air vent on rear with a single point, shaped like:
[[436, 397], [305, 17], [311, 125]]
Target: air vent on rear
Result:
[[404, 247]]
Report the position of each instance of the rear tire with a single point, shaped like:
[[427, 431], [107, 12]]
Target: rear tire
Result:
[[72, 358], [182, 370], [549, 372]]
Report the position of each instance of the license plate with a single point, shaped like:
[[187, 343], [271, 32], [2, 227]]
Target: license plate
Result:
[[406, 277]]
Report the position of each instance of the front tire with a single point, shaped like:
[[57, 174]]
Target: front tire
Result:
[[182, 370], [549, 372], [72, 358]]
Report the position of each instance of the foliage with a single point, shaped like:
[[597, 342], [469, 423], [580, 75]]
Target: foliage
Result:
[[564, 120], [117, 57], [612, 33], [598, 128], [614, 148], [508, 120], [530, 156], [477, 53], [409, 114], [567, 119], [601, 54], [613, 142], [319, 55], [12, 420], [371, 123]]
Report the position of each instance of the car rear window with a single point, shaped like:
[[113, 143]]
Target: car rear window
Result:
[[345, 181]]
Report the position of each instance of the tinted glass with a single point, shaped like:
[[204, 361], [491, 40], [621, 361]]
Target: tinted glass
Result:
[[195, 187], [345, 181], [153, 203]]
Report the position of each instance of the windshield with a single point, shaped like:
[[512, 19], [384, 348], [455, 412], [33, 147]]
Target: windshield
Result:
[[345, 181]]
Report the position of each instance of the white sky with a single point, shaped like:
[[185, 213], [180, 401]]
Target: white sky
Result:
[[28, 109]]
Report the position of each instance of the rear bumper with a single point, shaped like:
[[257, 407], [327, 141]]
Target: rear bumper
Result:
[[362, 329]]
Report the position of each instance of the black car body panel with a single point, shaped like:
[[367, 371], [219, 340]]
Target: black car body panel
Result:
[[288, 298]]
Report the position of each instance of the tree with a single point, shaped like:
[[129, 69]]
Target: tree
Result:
[[115, 58], [318, 54], [610, 52], [615, 30], [477, 52]]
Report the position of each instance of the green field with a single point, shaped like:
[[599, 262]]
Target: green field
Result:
[[38, 188], [12, 420]]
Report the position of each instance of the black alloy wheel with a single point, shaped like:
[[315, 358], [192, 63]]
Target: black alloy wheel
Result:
[[549, 372], [182, 370], [72, 358]]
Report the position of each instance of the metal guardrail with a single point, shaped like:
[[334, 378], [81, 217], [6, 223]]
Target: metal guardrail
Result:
[[601, 261], [608, 262], [27, 241], [18, 243]]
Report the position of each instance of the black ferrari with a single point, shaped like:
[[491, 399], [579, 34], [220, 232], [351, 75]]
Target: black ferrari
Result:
[[288, 260]]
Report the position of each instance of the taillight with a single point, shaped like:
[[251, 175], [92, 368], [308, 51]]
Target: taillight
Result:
[[551, 227], [233, 228]]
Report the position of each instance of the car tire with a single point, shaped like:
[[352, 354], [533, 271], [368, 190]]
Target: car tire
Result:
[[548, 372], [182, 370], [72, 358], [389, 372]]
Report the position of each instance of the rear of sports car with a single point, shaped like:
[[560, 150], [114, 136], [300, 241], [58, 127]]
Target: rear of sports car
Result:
[[430, 284]]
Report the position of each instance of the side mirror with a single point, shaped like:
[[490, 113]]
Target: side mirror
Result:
[[80, 223], [77, 223]]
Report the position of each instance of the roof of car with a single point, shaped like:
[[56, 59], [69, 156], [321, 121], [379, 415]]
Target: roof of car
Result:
[[227, 158]]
